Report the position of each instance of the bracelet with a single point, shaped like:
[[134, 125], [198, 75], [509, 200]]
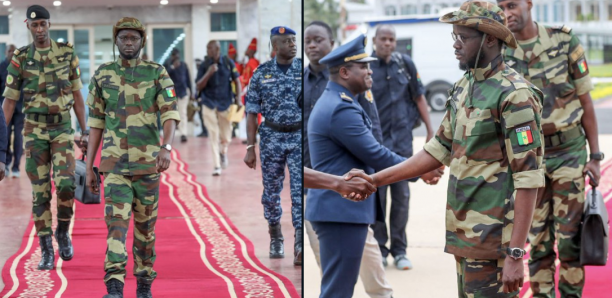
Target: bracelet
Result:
[[85, 132], [249, 147]]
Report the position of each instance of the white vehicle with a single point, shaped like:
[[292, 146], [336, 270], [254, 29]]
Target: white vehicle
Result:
[[429, 44]]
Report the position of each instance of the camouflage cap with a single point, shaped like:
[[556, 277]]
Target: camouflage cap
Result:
[[130, 23], [483, 16]]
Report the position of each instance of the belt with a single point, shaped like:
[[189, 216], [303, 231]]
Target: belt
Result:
[[49, 118], [283, 128], [562, 137]]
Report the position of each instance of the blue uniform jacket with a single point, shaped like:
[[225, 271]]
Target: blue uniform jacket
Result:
[[340, 139]]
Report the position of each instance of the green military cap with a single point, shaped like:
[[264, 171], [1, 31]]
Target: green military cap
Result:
[[130, 23], [483, 16]]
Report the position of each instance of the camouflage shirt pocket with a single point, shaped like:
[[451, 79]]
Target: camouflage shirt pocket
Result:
[[482, 142]]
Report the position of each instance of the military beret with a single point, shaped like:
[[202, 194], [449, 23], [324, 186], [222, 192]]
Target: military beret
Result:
[[281, 30], [352, 51], [37, 12]]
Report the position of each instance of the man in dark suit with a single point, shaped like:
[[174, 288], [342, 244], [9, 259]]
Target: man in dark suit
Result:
[[340, 139]]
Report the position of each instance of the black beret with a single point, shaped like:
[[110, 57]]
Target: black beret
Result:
[[37, 12]]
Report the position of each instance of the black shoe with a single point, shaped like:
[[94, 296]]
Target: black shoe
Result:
[[63, 240], [277, 250], [114, 288], [144, 289], [183, 139], [47, 259], [297, 248], [203, 135]]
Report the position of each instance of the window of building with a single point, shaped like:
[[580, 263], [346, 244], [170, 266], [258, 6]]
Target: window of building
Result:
[[537, 12], [166, 39], [545, 12], [390, 10], [224, 21], [409, 9], [4, 25], [426, 9], [558, 13]]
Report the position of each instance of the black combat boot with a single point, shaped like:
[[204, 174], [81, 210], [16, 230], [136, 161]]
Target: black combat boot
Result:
[[277, 250], [143, 290], [297, 248], [114, 288], [47, 259], [63, 240]]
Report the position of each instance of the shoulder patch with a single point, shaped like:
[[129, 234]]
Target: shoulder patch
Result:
[[345, 97], [21, 50], [563, 28], [64, 44]]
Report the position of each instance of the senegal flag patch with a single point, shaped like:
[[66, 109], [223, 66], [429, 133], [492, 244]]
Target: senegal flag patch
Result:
[[78, 71], [170, 92], [582, 66], [523, 134]]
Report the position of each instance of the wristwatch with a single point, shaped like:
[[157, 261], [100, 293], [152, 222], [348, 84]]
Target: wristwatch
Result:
[[167, 147], [85, 132], [515, 252], [597, 156]]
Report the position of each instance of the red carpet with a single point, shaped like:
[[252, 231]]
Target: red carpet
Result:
[[200, 253], [597, 283]]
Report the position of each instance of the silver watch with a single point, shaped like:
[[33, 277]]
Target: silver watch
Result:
[[515, 252], [167, 147]]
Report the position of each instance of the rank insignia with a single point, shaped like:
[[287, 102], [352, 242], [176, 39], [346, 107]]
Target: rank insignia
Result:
[[523, 134], [346, 97], [582, 66], [510, 63], [15, 63], [369, 96]]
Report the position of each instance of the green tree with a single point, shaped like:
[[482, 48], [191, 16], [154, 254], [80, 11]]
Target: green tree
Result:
[[327, 11]]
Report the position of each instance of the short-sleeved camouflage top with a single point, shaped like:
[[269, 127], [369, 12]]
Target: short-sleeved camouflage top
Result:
[[48, 78], [554, 61], [493, 146], [124, 98]]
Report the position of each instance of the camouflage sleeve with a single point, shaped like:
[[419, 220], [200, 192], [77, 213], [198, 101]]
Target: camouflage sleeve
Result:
[[96, 105], [440, 146], [14, 79], [520, 121], [166, 98], [578, 68], [75, 73], [253, 101]]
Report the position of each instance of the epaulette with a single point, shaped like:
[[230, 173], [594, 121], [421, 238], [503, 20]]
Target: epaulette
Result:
[[21, 50], [64, 44], [564, 29], [345, 97]]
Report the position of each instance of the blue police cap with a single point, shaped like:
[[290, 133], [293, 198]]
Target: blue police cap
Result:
[[352, 51], [281, 30], [37, 12]]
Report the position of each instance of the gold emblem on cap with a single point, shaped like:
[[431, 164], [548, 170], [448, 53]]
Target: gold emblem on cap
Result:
[[32, 15], [281, 30]]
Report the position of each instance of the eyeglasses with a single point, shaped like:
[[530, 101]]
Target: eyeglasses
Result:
[[462, 39], [133, 39]]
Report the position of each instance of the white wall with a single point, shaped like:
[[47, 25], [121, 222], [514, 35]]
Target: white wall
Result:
[[274, 13]]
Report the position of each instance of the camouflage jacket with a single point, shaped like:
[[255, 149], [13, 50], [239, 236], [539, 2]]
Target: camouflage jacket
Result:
[[493, 146], [124, 98], [47, 81], [274, 93], [554, 61]]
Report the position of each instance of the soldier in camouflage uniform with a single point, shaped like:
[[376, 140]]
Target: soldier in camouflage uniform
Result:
[[273, 92], [553, 59], [491, 139], [47, 72], [124, 99]]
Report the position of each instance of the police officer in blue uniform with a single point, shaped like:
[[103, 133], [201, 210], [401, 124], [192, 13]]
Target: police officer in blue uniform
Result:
[[340, 139], [273, 92]]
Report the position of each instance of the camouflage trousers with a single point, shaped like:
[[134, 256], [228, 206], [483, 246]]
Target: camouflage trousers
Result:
[[481, 278], [558, 216], [279, 150], [46, 145], [122, 195]]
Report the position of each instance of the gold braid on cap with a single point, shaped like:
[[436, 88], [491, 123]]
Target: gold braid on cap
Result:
[[356, 57]]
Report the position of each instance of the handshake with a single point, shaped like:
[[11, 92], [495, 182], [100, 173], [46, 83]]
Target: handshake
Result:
[[356, 185]]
